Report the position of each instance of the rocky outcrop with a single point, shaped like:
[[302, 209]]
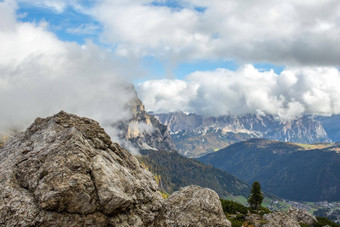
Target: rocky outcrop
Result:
[[291, 218], [65, 171]]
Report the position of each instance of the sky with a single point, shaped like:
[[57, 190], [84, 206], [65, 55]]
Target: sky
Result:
[[208, 57]]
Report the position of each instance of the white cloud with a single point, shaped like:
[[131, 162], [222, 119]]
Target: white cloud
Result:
[[292, 32], [293, 92], [287, 32], [169, 95], [41, 75]]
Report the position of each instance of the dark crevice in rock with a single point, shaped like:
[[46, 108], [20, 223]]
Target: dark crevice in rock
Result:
[[96, 194]]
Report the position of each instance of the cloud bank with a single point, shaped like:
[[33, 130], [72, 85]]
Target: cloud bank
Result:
[[41, 75], [292, 32], [295, 91]]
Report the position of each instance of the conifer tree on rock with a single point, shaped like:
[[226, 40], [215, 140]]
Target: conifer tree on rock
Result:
[[256, 197]]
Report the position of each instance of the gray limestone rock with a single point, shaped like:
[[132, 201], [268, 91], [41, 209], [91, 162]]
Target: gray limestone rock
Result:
[[195, 206], [291, 218], [65, 171], [143, 130]]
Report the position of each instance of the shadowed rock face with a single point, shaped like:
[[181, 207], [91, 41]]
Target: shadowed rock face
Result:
[[65, 171]]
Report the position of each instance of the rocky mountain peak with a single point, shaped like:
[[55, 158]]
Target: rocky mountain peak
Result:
[[143, 130], [65, 171]]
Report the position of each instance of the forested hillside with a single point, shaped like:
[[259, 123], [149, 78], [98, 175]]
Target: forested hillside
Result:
[[284, 169]]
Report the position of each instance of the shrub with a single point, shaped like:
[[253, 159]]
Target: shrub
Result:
[[232, 207], [237, 221], [322, 221]]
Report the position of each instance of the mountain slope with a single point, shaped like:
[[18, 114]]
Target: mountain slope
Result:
[[332, 126], [176, 171], [283, 169], [196, 135]]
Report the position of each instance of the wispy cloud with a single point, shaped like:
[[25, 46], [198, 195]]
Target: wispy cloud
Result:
[[41, 75]]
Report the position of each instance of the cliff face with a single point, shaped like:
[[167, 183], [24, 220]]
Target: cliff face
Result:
[[143, 130], [65, 171]]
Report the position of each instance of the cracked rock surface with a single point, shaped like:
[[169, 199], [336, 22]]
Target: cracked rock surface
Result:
[[65, 171], [195, 206]]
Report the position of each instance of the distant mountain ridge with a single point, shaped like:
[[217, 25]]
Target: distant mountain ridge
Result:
[[284, 169], [197, 135]]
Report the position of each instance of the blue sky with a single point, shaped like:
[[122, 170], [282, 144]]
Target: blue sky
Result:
[[64, 24], [208, 57], [59, 22]]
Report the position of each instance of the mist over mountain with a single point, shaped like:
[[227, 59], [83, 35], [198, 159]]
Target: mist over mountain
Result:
[[196, 135], [142, 131]]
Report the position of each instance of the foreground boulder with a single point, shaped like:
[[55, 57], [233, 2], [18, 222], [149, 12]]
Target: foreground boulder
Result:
[[195, 206], [65, 171]]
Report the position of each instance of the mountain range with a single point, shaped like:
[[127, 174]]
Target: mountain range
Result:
[[290, 171], [285, 169], [197, 135], [158, 152]]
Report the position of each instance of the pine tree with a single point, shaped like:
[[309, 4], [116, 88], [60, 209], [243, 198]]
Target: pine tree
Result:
[[256, 197]]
